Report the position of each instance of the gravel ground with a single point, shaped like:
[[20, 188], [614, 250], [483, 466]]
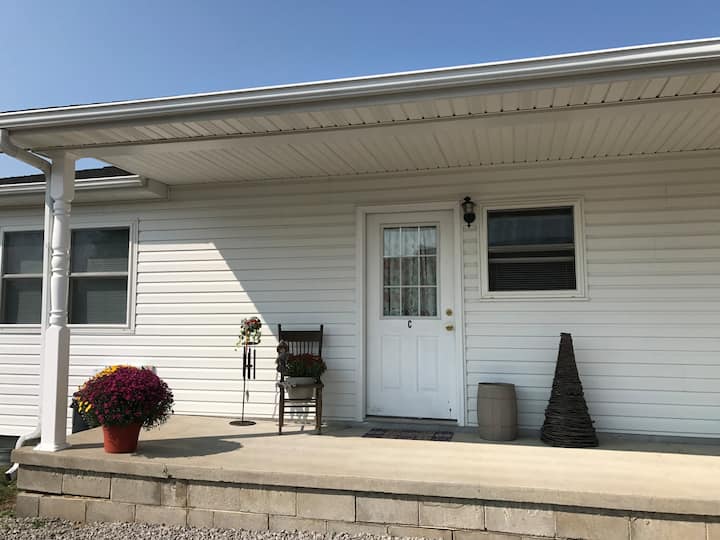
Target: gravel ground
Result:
[[42, 529]]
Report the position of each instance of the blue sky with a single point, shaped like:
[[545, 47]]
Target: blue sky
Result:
[[80, 51]]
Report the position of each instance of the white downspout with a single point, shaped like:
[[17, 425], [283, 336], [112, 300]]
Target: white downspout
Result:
[[7, 147]]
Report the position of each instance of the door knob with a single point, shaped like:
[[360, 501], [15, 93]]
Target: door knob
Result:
[[449, 327]]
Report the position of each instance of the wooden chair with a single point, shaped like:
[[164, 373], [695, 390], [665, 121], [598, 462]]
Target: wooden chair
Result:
[[300, 342]]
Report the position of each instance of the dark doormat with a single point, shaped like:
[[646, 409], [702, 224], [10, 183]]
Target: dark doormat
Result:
[[409, 434]]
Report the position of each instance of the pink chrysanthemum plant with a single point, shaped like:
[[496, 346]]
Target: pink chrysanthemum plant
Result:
[[250, 332], [123, 395]]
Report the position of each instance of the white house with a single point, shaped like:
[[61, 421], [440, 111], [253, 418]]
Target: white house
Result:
[[597, 183]]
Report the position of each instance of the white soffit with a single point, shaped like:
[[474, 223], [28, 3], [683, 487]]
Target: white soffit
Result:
[[646, 100]]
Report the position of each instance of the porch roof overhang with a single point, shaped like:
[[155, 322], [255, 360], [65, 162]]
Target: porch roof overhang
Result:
[[91, 185], [656, 99]]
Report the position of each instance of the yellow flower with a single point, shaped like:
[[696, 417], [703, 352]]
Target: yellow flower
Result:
[[110, 369]]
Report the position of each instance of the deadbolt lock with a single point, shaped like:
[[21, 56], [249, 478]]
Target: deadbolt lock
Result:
[[449, 327], [448, 312]]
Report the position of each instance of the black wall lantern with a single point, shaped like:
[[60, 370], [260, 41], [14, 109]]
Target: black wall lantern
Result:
[[468, 208]]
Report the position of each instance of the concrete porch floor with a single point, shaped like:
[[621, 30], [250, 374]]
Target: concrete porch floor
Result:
[[624, 475]]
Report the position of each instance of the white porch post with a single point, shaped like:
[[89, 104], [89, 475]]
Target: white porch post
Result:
[[56, 345]]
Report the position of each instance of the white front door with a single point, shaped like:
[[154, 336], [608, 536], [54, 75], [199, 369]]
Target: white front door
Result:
[[412, 365]]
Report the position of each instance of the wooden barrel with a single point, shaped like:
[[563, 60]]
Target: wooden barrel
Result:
[[497, 411]]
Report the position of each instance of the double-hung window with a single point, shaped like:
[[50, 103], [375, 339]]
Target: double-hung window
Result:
[[99, 276], [99, 288], [21, 277], [532, 251]]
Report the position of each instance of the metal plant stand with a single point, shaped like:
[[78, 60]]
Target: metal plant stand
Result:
[[249, 360]]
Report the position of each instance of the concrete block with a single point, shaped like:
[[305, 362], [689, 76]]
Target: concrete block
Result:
[[27, 505], [240, 520], [287, 523], [213, 496], [391, 510], [337, 505], [356, 529], [39, 479], [484, 535], [520, 520], [69, 508], [419, 532], [110, 511], [161, 515], [592, 526], [86, 484], [135, 490], [259, 500], [661, 529], [173, 493], [452, 514], [200, 518], [268, 500]]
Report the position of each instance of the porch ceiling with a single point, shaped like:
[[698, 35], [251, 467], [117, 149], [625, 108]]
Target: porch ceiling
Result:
[[652, 109]]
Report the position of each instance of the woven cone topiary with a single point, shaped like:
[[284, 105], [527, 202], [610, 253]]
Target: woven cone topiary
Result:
[[567, 420]]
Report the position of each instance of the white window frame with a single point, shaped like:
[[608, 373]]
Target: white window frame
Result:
[[129, 325], [125, 328], [23, 327], [580, 291]]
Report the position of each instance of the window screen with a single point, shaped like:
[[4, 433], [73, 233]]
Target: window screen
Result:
[[531, 249], [99, 276], [21, 277]]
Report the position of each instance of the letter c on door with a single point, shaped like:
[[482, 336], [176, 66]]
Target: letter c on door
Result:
[[409, 324]]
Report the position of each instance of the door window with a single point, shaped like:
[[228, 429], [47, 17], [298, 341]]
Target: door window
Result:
[[410, 280]]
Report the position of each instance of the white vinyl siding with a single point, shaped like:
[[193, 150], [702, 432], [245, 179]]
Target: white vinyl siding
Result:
[[647, 337]]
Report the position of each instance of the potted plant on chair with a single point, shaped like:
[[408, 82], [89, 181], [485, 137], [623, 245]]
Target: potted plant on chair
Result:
[[301, 370], [122, 399]]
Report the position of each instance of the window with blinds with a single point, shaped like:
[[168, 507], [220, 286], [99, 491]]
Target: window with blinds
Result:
[[531, 249]]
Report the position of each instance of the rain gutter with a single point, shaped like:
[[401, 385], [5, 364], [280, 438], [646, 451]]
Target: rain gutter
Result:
[[669, 56]]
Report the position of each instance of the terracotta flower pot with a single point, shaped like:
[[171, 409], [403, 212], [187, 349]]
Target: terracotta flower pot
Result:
[[121, 439]]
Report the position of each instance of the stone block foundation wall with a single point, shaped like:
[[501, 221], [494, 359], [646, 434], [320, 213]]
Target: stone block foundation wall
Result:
[[86, 496]]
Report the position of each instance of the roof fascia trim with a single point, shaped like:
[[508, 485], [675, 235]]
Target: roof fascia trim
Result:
[[570, 65], [110, 182]]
